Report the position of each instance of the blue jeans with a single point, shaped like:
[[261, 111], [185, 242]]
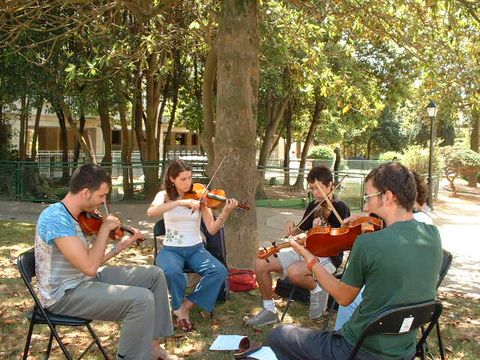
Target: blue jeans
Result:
[[345, 312], [173, 260]]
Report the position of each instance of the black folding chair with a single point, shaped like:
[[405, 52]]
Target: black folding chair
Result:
[[400, 320], [40, 315], [215, 244], [446, 262]]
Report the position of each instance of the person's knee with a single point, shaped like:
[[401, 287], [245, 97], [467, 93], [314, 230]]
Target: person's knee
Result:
[[295, 274], [276, 336], [143, 301]]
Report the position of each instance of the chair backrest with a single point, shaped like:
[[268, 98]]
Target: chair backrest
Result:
[[26, 267], [400, 320], [446, 262]]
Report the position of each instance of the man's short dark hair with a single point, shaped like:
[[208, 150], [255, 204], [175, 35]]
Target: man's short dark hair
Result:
[[320, 173], [89, 176], [396, 178]]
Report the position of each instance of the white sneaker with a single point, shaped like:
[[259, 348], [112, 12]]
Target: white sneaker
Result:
[[318, 304], [263, 318]]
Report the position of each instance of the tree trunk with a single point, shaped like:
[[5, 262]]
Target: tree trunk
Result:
[[64, 144], [39, 106], [67, 115], [127, 145], [206, 137], [237, 103], [275, 110], [336, 165], [81, 129], [319, 106], [104, 112], [474, 144], [22, 136], [288, 143]]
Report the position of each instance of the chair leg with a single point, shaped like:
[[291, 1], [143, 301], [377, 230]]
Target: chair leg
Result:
[[49, 346], [327, 318], [59, 341], [29, 338], [440, 342], [289, 301], [97, 340]]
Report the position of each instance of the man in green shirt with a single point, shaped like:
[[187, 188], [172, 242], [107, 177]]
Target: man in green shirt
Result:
[[397, 265]]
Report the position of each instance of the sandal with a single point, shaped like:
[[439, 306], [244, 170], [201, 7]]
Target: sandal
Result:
[[184, 325], [245, 348]]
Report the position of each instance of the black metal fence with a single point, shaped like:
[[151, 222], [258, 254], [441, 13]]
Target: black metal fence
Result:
[[48, 180]]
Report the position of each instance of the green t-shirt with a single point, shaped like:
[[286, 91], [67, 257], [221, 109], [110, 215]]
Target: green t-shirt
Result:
[[398, 265]]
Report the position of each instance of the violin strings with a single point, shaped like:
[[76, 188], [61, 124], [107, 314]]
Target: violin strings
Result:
[[106, 208], [205, 191], [319, 203]]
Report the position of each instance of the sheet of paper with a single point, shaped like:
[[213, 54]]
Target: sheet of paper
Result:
[[265, 353], [226, 342]]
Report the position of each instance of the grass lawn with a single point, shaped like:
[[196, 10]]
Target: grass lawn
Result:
[[459, 321]]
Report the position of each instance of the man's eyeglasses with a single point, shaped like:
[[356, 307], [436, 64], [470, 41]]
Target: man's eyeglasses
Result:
[[368, 196]]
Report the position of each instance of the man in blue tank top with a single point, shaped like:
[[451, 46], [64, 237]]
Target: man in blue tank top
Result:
[[72, 281]]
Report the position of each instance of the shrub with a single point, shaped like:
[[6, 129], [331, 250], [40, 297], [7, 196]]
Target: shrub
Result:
[[321, 152], [459, 161], [416, 159]]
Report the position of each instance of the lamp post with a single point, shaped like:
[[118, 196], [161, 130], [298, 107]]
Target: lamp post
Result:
[[432, 113]]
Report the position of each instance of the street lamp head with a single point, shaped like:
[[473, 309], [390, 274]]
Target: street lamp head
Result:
[[432, 109]]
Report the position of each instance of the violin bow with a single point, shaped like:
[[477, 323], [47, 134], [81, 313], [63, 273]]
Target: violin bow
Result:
[[325, 197], [320, 203], [210, 182]]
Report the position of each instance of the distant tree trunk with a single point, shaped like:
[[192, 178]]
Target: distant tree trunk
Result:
[[67, 115], [237, 103], [104, 112], [64, 144], [81, 129], [336, 165], [206, 137], [38, 115], [127, 145], [474, 144], [288, 143], [274, 111], [319, 106], [22, 136]]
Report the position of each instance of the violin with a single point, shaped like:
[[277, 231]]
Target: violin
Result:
[[212, 198], [325, 241], [90, 223]]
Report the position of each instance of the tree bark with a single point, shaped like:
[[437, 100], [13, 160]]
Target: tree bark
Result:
[[236, 110], [206, 137], [64, 144], [104, 112], [474, 143], [22, 136], [288, 143], [275, 110], [39, 106], [319, 106], [81, 129], [127, 145]]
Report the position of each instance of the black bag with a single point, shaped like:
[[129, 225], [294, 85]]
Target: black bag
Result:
[[284, 287], [215, 245]]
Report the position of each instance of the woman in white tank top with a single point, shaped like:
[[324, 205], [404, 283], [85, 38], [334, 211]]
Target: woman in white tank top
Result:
[[183, 246]]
